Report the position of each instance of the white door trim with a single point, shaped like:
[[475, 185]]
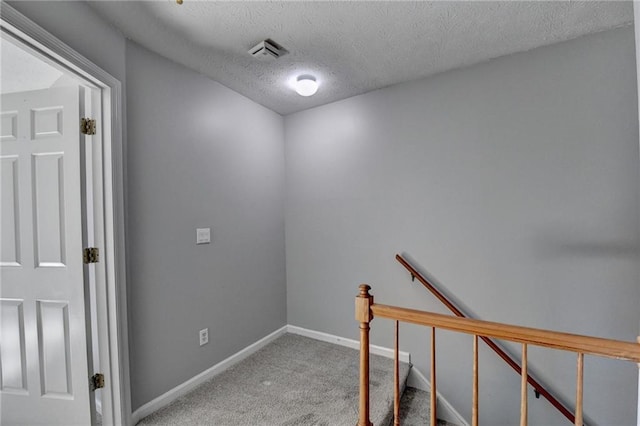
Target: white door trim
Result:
[[114, 329]]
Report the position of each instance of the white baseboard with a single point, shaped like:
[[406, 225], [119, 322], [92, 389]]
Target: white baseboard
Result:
[[350, 343], [416, 378], [445, 410], [180, 390]]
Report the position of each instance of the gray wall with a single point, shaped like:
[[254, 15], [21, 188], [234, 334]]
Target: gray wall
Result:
[[514, 183], [636, 15], [200, 155]]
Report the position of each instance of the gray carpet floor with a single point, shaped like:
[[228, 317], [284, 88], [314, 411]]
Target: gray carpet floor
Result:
[[292, 381]]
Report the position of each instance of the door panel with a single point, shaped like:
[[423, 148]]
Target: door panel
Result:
[[9, 211], [54, 356], [43, 346], [12, 352], [48, 208]]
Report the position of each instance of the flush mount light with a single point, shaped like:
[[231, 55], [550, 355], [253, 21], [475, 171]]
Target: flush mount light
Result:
[[306, 85]]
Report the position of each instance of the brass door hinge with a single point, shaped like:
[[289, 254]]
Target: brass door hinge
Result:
[[87, 126], [96, 381], [91, 255]]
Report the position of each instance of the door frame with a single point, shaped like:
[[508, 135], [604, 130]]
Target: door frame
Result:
[[113, 326]]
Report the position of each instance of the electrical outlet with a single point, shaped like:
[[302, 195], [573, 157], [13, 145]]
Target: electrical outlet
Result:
[[204, 336]]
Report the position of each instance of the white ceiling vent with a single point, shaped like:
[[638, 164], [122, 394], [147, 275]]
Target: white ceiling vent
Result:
[[267, 49]]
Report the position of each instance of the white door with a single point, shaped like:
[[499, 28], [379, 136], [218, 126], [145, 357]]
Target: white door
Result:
[[43, 343]]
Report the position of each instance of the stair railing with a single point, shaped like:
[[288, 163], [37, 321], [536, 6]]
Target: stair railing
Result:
[[537, 387], [366, 310]]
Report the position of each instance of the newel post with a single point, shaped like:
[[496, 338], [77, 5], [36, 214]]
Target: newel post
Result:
[[363, 315], [638, 409]]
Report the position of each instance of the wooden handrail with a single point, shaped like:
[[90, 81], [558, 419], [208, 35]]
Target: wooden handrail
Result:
[[441, 297], [539, 389], [366, 310], [629, 351]]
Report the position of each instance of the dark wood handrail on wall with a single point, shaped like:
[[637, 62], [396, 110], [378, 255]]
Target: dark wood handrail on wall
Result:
[[538, 388], [366, 310]]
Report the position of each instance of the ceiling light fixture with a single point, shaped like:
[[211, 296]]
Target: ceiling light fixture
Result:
[[306, 85]]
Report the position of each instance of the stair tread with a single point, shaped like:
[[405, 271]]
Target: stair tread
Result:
[[415, 410]]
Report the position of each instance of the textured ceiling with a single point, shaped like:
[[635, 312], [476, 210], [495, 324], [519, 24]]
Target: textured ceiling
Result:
[[351, 47]]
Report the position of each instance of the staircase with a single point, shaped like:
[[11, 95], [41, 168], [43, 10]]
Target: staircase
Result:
[[294, 380]]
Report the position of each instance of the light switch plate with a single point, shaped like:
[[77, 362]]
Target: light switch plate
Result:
[[203, 235]]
